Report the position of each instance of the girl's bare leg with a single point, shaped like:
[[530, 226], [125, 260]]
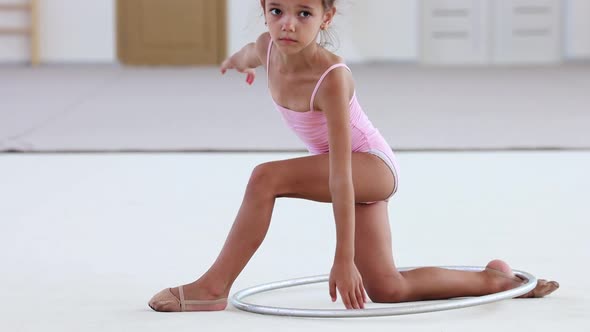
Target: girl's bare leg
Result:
[[384, 283], [306, 178], [246, 235]]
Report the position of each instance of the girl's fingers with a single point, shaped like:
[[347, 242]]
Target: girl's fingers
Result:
[[250, 73], [225, 66], [333, 293], [353, 300], [250, 78], [346, 300], [359, 298]]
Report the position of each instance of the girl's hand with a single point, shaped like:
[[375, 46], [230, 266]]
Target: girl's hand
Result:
[[346, 278], [229, 64]]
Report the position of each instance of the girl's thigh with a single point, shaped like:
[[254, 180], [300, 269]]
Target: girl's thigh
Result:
[[309, 177]]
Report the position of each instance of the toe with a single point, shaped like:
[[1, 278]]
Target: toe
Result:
[[164, 301], [552, 286], [545, 288]]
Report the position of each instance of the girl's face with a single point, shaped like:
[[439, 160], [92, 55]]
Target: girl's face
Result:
[[295, 24]]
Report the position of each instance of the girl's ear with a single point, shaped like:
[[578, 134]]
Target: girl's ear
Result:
[[328, 16]]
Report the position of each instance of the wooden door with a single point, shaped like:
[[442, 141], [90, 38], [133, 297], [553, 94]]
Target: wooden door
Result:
[[171, 32]]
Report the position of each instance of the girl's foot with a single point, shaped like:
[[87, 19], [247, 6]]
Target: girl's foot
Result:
[[189, 297], [509, 280]]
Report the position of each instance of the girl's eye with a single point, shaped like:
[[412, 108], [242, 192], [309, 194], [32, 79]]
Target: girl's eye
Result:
[[305, 14], [275, 11]]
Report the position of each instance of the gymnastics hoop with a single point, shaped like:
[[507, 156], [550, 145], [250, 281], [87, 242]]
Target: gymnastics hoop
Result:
[[237, 299]]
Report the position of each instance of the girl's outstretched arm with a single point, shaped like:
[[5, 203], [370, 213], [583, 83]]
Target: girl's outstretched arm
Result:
[[248, 58]]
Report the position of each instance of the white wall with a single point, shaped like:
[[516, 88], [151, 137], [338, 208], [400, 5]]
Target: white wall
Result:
[[78, 30], [12, 48], [455, 32], [71, 31], [368, 30], [527, 31], [84, 30], [577, 28]]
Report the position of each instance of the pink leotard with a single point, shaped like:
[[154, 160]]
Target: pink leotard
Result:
[[311, 126]]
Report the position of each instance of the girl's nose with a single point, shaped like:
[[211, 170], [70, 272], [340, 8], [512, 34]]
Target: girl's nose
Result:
[[288, 25]]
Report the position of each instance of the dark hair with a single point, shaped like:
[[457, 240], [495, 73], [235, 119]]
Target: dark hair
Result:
[[327, 37], [327, 3]]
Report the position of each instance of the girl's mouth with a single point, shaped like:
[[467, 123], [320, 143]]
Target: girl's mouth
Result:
[[287, 40]]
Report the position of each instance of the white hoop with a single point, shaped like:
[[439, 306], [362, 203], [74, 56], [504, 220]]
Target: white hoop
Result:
[[236, 300]]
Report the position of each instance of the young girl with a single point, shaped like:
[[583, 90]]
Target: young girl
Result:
[[351, 166]]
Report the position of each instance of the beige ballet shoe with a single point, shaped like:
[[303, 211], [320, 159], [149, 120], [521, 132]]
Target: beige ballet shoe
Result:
[[542, 289], [165, 301]]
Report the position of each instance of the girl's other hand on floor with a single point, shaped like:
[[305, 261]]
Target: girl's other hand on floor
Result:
[[346, 278]]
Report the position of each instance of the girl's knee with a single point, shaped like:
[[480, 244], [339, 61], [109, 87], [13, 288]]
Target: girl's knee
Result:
[[387, 290], [263, 178]]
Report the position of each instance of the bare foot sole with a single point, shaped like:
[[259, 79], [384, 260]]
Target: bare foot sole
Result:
[[168, 301], [502, 269]]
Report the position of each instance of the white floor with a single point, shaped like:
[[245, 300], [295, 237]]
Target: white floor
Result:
[[112, 108], [87, 239]]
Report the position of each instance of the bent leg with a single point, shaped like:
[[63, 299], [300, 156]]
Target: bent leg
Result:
[[306, 178], [246, 235], [384, 283]]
